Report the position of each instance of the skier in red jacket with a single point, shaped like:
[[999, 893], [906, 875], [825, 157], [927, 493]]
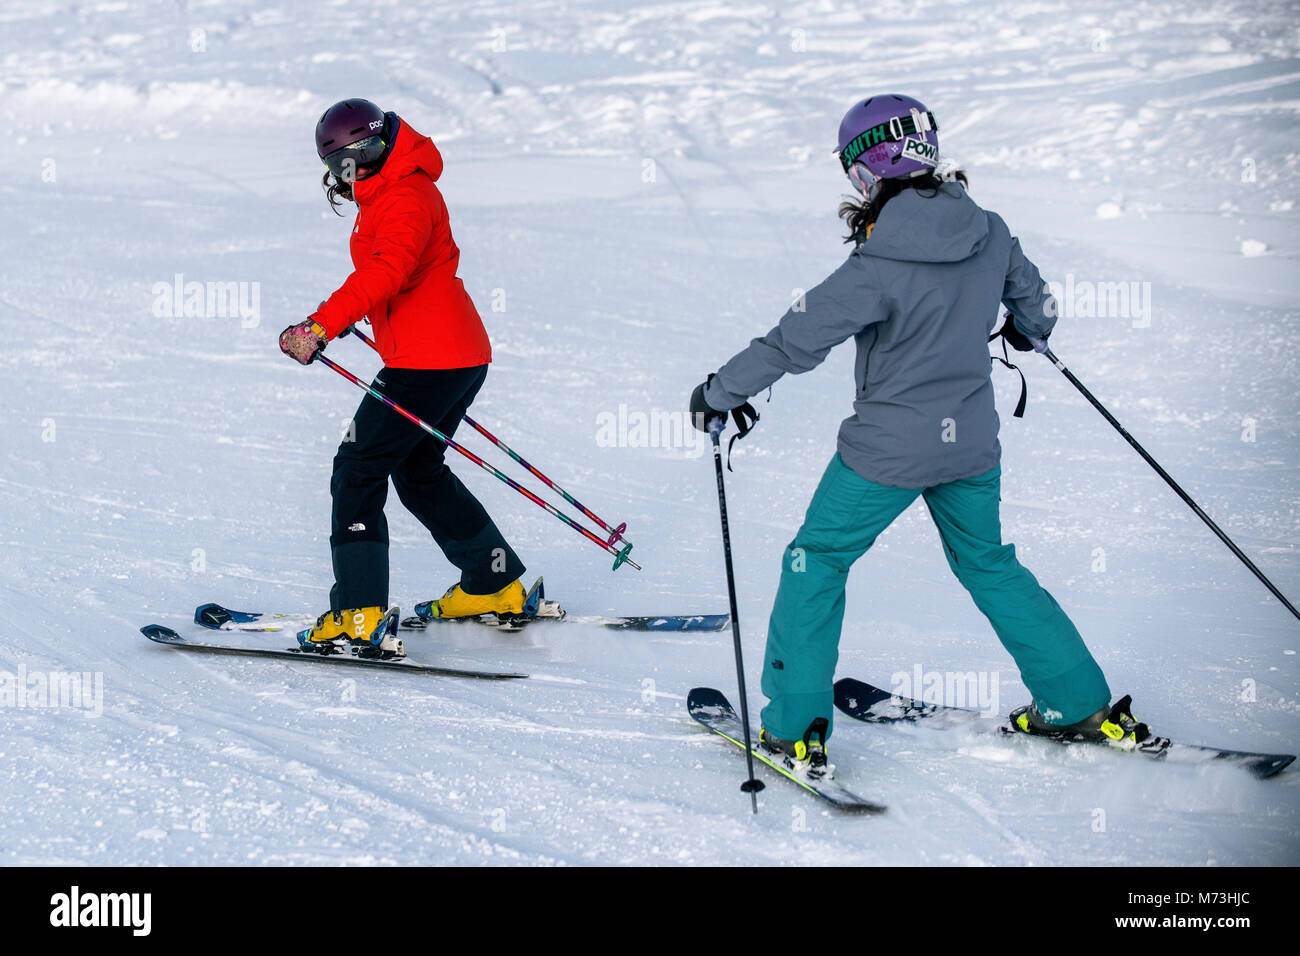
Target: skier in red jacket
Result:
[[436, 353]]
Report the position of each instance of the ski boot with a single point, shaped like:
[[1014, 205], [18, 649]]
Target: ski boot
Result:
[[368, 631], [508, 608], [1113, 726], [806, 757]]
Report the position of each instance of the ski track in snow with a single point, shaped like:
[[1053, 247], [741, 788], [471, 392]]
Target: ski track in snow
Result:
[[648, 185]]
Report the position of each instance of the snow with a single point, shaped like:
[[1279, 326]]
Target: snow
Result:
[[643, 187]]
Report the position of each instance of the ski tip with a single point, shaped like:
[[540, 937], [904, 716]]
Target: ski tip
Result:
[[214, 616], [854, 696], [667, 622], [864, 808], [687, 622], [163, 635], [705, 698], [1270, 765], [211, 615]]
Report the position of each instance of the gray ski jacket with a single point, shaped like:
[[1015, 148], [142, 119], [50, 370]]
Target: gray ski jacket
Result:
[[920, 299]]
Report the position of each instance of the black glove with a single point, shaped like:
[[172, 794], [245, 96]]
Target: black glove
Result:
[[1014, 337], [702, 413]]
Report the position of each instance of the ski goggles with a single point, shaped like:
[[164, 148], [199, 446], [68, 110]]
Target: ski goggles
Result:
[[343, 163], [863, 179]]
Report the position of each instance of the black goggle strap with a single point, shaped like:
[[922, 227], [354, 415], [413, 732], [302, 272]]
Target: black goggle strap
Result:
[[1005, 359], [891, 131]]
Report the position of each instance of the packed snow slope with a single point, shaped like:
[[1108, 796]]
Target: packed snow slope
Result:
[[638, 189]]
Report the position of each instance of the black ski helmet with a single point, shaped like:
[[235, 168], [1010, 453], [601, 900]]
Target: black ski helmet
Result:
[[352, 133]]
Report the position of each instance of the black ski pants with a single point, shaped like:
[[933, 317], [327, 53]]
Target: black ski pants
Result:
[[383, 444]]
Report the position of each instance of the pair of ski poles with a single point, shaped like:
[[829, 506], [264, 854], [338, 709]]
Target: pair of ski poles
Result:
[[622, 555], [752, 785]]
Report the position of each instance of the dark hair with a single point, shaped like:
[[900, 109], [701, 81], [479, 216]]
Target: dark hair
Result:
[[335, 190], [861, 216]]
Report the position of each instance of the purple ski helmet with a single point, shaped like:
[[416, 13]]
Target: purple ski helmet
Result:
[[887, 137], [352, 133]]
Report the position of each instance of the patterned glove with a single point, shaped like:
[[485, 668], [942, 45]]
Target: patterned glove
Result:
[[303, 342]]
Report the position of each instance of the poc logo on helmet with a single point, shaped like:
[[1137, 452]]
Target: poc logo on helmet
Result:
[[921, 151], [375, 124]]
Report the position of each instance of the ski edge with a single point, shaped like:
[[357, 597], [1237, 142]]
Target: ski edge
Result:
[[160, 634]]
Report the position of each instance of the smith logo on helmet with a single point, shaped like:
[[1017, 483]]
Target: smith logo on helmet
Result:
[[921, 151]]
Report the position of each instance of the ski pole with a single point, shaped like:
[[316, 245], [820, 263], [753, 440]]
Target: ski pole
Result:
[[614, 533], [752, 785], [1040, 345], [620, 556]]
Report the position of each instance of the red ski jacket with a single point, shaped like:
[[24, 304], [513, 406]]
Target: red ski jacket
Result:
[[405, 267]]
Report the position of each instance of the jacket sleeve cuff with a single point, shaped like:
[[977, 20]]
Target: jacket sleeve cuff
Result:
[[721, 399], [329, 321]]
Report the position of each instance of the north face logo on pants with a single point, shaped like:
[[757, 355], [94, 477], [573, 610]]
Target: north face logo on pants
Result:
[[357, 527]]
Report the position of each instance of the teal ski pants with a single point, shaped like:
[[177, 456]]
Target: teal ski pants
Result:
[[845, 517]]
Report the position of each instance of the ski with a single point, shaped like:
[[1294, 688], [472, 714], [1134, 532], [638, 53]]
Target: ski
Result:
[[872, 705], [332, 655], [218, 618], [538, 609], [650, 622], [711, 708]]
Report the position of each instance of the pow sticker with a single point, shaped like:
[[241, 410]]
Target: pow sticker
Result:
[[921, 151]]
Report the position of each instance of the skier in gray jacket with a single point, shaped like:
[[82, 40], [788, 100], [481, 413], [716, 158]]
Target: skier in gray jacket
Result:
[[919, 295]]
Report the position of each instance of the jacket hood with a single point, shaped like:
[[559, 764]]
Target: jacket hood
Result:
[[411, 152], [945, 227]]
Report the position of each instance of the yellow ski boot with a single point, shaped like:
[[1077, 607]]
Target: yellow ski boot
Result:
[[510, 608], [508, 602], [370, 630]]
